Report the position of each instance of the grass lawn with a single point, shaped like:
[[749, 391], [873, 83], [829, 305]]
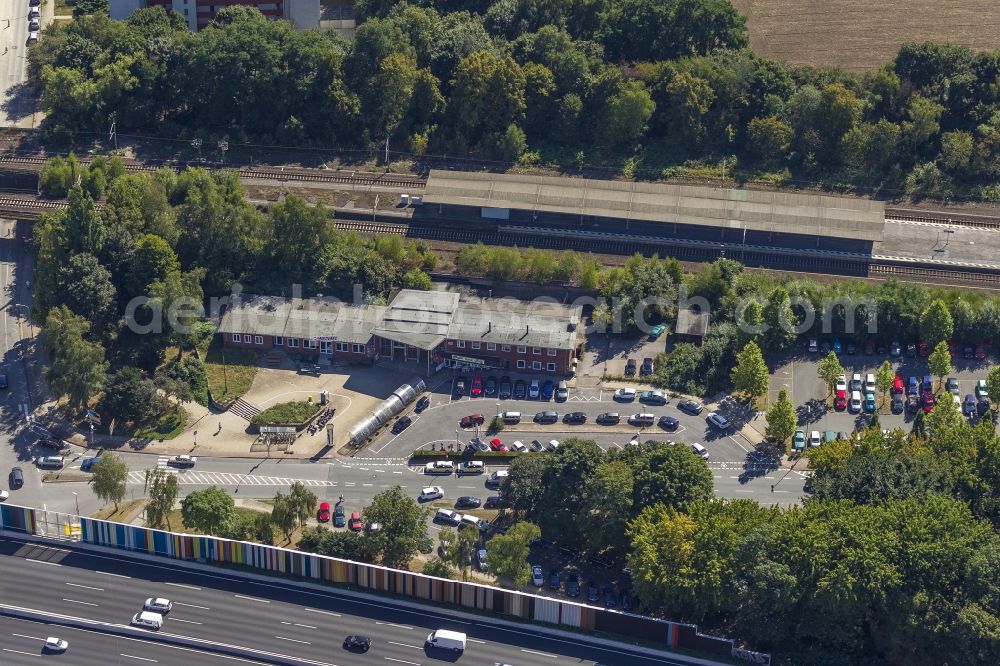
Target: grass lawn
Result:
[[126, 510], [62, 8], [176, 522], [169, 426], [230, 371], [286, 412]]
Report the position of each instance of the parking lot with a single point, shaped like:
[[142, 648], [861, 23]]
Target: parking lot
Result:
[[796, 372]]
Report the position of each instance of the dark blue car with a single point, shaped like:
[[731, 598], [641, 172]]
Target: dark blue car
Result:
[[547, 389], [554, 579], [913, 386]]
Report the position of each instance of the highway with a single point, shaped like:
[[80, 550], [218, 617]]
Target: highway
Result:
[[267, 617], [23, 640]]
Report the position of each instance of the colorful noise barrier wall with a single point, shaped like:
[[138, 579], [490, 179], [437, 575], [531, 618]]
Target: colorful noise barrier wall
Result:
[[483, 598]]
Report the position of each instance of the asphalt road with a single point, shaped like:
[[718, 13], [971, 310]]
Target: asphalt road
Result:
[[23, 641], [269, 617], [16, 109]]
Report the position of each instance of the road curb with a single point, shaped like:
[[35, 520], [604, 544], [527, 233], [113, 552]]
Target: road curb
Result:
[[544, 630]]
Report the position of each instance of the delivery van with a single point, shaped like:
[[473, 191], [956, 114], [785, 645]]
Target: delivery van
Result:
[[446, 640], [148, 619]]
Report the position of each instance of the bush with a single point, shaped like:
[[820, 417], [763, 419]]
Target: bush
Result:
[[286, 412]]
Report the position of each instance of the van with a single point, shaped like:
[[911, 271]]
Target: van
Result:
[[562, 392], [49, 462], [148, 620], [447, 516], [478, 523], [700, 450], [511, 418], [642, 419], [447, 640], [496, 478]]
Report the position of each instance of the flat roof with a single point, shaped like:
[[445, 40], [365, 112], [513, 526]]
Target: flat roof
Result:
[[692, 322], [755, 210], [418, 318], [305, 318], [508, 321]]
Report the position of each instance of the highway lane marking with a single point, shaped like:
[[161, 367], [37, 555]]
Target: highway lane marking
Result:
[[296, 624], [415, 647], [240, 596], [34, 638], [51, 564], [30, 654], [475, 640], [540, 654], [74, 601], [398, 626], [86, 587], [401, 661], [186, 587], [177, 619], [322, 612], [132, 656], [293, 640], [105, 573], [180, 603]]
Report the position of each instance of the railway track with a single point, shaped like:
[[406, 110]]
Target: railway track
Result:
[[33, 163], [951, 219]]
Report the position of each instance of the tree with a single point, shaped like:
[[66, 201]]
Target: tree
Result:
[[84, 226], [939, 361], [109, 477], [404, 527], [161, 491], [830, 370], [303, 502], [607, 505], [487, 94], [780, 320], [436, 568], [673, 476], [86, 288], [936, 323], [750, 376], [781, 418], [211, 511], [770, 139], [300, 235], [884, 377], [993, 383], [522, 489], [458, 547], [78, 367], [152, 261], [508, 553], [130, 397], [283, 514]]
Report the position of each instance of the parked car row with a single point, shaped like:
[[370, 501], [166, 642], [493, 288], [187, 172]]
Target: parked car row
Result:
[[647, 367], [504, 388], [977, 351]]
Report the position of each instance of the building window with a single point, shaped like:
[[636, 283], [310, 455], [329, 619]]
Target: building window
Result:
[[536, 350], [258, 339], [506, 348], [475, 345], [293, 342], [491, 346], [461, 344], [520, 364], [521, 349], [342, 347], [552, 352], [237, 337], [552, 367], [279, 341], [358, 349], [536, 365]]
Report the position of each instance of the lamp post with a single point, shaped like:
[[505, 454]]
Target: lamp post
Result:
[[77, 498]]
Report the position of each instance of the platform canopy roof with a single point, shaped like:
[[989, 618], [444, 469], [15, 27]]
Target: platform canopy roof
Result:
[[754, 210]]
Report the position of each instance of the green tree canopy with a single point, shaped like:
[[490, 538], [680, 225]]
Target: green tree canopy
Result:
[[403, 530], [211, 511]]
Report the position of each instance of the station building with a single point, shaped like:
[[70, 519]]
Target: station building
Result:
[[431, 330]]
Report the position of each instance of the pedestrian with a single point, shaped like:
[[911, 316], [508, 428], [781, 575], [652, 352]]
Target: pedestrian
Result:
[[772, 487]]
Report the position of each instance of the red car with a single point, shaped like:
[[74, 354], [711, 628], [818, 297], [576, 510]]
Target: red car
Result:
[[497, 445], [355, 522], [472, 420], [840, 402], [980, 352], [928, 401], [323, 515], [477, 386], [897, 384]]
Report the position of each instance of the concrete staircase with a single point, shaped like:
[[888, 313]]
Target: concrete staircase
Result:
[[244, 409]]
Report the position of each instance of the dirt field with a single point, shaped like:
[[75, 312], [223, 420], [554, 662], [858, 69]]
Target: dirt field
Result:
[[860, 34]]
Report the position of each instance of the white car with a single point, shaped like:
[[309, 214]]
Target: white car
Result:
[[518, 447], [842, 383], [855, 405], [158, 605], [534, 390], [815, 439], [537, 578], [700, 450], [4, 495], [470, 467], [184, 460], [625, 395], [870, 383], [53, 644], [431, 493], [439, 467], [553, 445]]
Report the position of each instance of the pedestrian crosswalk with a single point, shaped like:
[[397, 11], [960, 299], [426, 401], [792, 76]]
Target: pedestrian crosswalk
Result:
[[192, 477]]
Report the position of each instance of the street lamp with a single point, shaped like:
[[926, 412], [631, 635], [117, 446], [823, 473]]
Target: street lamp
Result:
[[498, 410], [77, 498]]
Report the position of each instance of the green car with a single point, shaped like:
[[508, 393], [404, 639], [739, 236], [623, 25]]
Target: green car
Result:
[[799, 442], [657, 331], [829, 436]]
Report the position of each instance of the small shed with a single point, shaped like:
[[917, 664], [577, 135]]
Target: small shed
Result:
[[692, 326]]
